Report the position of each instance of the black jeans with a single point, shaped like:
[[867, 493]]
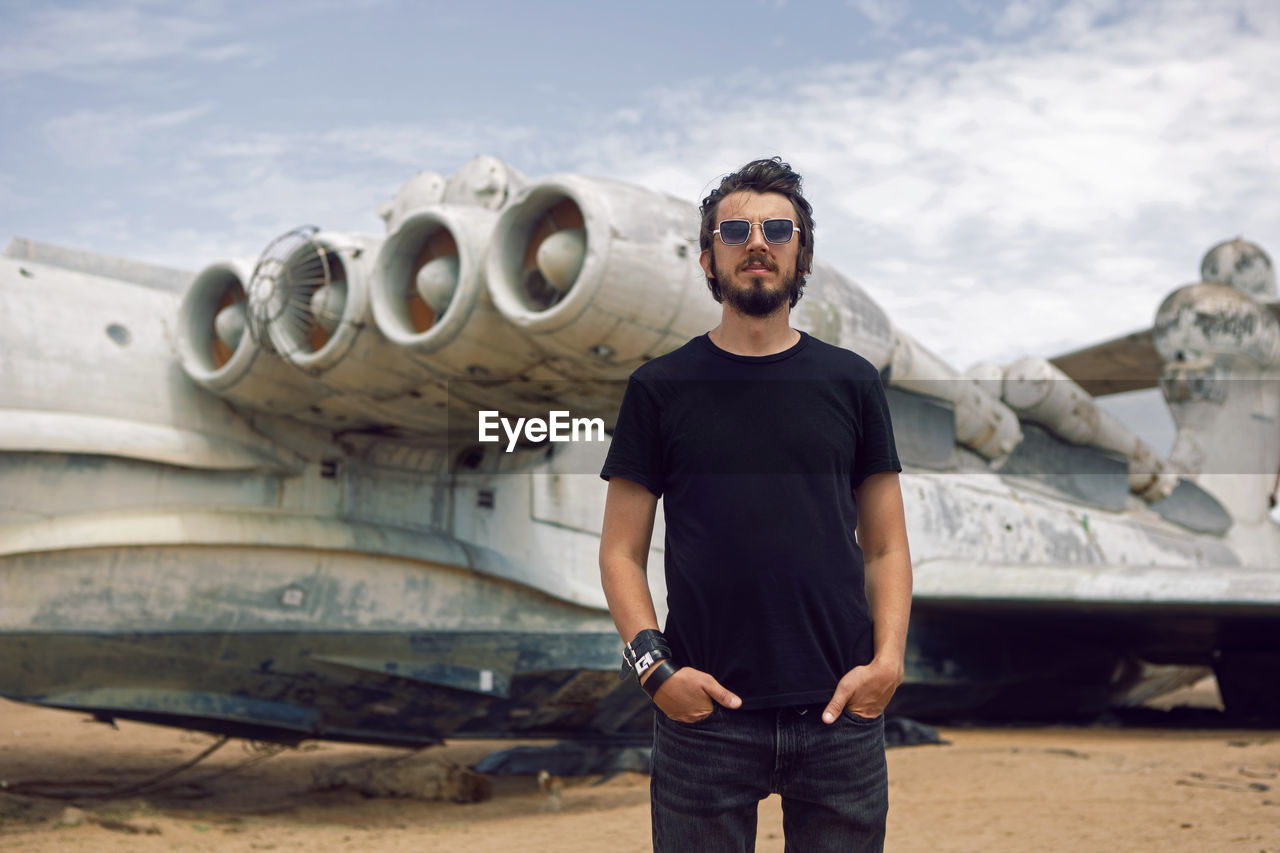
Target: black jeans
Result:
[[709, 777]]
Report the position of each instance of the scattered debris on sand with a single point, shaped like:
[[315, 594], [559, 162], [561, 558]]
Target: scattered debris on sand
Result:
[[414, 776], [73, 816]]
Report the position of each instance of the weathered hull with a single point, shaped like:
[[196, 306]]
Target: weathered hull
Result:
[[283, 625], [418, 688], [343, 647], [413, 688], [306, 644]]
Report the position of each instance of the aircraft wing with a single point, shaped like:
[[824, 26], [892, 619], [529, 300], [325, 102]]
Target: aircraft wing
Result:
[[1127, 363]]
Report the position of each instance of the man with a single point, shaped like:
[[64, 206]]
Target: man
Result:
[[785, 636]]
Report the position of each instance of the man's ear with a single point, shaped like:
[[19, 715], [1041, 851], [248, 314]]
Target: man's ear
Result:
[[704, 260]]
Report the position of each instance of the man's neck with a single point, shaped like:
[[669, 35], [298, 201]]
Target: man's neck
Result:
[[744, 335]]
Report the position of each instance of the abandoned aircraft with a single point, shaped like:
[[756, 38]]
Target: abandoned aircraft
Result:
[[257, 501]]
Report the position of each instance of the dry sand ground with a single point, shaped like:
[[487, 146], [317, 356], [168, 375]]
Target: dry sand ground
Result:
[[991, 789]]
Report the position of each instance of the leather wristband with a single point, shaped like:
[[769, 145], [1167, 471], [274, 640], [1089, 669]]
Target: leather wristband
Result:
[[645, 649], [661, 672]]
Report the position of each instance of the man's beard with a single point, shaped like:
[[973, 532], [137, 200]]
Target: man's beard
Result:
[[752, 298]]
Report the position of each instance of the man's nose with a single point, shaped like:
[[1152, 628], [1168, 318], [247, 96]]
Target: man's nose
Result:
[[755, 239]]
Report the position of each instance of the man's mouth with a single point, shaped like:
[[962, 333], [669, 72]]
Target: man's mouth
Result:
[[757, 266]]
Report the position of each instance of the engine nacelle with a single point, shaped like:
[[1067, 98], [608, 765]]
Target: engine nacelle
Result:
[[219, 353], [305, 317], [604, 275], [430, 300], [309, 299]]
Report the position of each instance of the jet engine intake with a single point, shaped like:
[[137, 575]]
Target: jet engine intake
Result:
[[309, 299], [429, 299], [602, 274], [218, 353], [310, 292]]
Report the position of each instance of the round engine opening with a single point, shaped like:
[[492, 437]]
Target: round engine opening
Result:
[[420, 270], [214, 318], [543, 249], [322, 282], [299, 294]]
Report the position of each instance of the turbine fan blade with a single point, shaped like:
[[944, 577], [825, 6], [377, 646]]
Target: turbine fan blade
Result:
[[327, 304]]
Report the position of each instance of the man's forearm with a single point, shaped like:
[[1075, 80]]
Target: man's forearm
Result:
[[889, 597], [624, 553], [626, 589]]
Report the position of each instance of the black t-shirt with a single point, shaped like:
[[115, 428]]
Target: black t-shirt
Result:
[[756, 458]]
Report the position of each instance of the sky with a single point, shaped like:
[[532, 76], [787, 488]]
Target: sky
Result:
[[1003, 177]]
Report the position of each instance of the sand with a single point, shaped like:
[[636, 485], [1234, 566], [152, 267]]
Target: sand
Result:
[[1098, 788]]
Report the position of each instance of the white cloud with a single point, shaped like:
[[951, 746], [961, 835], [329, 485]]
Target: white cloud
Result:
[[1019, 15], [73, 41], [103, 138], [1076, 176], [882, 14]]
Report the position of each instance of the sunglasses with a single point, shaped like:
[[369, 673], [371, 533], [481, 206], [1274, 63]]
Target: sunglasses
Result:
[[734, 232]]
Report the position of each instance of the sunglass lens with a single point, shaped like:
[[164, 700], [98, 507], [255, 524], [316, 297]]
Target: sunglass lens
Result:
[[778, 230], [735, 231]]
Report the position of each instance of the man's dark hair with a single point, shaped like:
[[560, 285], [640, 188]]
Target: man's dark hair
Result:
[[763, 176]]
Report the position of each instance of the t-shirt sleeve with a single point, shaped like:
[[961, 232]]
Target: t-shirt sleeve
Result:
[[636, 451], [876, 449]]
